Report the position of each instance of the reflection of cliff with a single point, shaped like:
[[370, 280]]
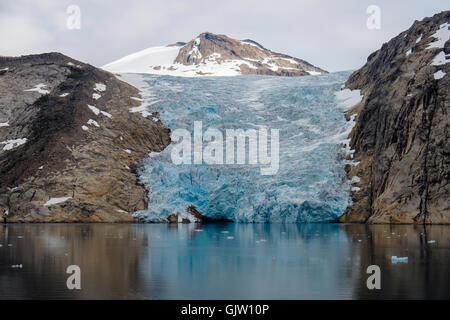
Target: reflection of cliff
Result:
[[107, 258], [223, 261], [425, 276]]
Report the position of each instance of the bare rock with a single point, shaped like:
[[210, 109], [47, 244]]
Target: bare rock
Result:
[[401, 137], [61, 153]]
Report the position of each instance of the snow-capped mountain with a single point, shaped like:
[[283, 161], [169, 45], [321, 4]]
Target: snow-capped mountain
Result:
[[212, 55]]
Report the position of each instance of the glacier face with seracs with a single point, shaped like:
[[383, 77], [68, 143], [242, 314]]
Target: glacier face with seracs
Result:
[[310, 185]]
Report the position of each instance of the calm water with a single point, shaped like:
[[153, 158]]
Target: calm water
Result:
[[223, 261]]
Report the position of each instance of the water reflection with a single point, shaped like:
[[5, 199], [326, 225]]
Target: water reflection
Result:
[[223, 261]]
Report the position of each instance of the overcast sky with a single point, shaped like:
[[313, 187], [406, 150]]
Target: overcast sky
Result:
[[329, 34]]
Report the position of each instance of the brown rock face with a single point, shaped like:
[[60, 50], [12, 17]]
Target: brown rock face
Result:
[[254, 58], [82, 142], [401, 135]]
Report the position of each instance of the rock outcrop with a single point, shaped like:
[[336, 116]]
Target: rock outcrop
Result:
[[69, 143], [213, 55], [401, 137]]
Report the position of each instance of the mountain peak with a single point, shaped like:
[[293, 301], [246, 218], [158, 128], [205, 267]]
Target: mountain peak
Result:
[[214, 55]]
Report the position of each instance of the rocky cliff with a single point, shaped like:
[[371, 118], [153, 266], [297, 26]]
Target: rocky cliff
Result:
[[401, 139], [69, 143], [213, 55]]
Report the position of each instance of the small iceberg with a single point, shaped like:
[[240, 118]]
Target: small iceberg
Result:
[[396, 259]]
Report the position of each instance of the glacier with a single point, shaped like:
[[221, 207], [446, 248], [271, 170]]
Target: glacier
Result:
[[311, 184]]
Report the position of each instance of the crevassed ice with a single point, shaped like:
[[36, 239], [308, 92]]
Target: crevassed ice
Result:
[[310, 185]]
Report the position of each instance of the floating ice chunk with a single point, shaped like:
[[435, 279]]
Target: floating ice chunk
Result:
[[396, 259], [100, 87], [84, 128], [39, 89], [93, 122], [439, 75], [11, 144], [441, 36], [230, 238], [96, 96], [153, 154], [4, 124], [56, 201]]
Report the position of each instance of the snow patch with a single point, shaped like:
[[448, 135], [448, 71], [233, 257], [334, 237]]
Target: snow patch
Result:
[[62, 95], [96, 96], [439, 75], [439, 59], [95, 110], [441, 36], [100, 87], [53, 201], [11, 144], [93, 122], [127, 151], [84, 128], [144, 61], [4, 124], [56, 201], [39, 88], [419, 38]]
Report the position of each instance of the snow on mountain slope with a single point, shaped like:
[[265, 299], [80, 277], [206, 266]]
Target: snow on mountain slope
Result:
[[212, 55], [142, 61]]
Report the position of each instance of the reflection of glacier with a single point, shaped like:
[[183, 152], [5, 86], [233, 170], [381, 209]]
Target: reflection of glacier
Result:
[[309, 186]]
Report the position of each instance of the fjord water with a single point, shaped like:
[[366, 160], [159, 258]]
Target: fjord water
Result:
[[310, 185], [223, 261]]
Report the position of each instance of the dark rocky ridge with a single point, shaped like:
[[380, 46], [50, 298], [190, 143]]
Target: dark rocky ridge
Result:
[[95, 168], [401, 137]]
